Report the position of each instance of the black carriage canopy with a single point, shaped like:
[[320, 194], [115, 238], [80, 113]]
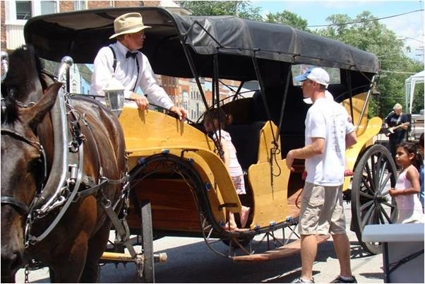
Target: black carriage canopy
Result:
[[81, 34]]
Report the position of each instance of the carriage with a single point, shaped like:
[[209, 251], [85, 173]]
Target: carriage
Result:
[[179, 185]]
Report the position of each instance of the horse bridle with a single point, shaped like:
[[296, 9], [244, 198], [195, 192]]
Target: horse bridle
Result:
[[5, 199]]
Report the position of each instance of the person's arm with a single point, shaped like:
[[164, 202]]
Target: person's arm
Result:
[[150, 87], [350, 139], [156, 94], [413, 176], [388, 119], [225, 149], [350, 136], [102, 71], [317, 147], [406, 123]]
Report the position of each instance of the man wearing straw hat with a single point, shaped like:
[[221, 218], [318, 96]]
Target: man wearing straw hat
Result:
[[130, 67]]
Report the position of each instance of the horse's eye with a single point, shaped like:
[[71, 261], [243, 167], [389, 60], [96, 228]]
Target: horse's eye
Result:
[[36, 167]]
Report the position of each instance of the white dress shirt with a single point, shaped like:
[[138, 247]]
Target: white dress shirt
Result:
[[127, 73]]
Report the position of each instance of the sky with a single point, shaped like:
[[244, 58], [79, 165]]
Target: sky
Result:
[[409, 27]]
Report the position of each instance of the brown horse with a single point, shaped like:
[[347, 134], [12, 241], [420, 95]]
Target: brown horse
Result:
[[74, 246]]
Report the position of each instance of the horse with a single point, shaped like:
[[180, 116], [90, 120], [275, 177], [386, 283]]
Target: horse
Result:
[[74, 245]]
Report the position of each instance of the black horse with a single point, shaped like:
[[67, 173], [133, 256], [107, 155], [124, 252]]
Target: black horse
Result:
[[73, 248]]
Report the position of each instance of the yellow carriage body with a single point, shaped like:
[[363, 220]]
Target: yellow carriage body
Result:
[[366, 130], [150, 133]]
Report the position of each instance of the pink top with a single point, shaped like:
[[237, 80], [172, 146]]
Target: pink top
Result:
[[235, 169], [409, 207]]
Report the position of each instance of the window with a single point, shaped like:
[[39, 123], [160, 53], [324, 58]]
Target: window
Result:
[[48, 7], [23, 10], [79, 5]]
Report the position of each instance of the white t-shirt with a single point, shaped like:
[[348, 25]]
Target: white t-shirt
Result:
[[329, 120]]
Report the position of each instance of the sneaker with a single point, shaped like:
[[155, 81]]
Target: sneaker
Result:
[[300, 280], [339, 279]]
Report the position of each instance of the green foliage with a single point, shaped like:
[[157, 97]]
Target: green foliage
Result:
[[288, 18], [366, 33], [242, 9], [418, 99]]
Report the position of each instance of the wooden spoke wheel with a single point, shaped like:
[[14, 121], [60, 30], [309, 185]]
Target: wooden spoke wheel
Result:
[[371, 203]]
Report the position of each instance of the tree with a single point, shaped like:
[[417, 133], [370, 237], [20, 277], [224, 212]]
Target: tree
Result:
[[242, 9], [366, 33], [288, 18]]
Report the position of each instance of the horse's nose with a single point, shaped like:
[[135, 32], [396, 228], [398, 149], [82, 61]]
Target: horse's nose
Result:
[[11, 261]]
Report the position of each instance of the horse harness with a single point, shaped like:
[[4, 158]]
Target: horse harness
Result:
[[7, 199], [70, 193]]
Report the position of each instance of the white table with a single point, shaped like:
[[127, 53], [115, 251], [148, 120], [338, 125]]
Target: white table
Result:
[[403, 250]]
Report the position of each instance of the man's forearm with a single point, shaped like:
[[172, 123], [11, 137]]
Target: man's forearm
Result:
[[305, 152]]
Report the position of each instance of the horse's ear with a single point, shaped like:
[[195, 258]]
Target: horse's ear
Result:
[[35, 114]]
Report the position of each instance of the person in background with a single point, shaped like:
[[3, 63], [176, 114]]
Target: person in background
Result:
[[407, 188], [214, 122], [421, 172], [396, 125], [327, 135], [123, 61]]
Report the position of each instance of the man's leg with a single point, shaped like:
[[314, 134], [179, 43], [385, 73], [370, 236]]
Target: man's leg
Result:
[[342, 249], [308, 255]]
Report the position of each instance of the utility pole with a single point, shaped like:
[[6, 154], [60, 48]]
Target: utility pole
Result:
[[236, 8]]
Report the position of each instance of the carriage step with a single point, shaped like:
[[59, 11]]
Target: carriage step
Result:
[[284, 251], [126, 257]]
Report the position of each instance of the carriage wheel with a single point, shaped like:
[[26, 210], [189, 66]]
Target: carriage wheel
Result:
[[371, 202], [147, 242]]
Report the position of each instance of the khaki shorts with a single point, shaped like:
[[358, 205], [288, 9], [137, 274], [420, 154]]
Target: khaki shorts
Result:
[[322, 211]]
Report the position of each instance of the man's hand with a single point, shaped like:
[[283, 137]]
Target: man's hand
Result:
[[181, 112], [141, 101], [290, 160]]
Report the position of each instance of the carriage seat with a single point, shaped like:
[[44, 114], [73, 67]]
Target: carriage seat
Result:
[[246, 139]]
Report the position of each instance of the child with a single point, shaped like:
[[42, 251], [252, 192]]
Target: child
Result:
[[421, 173], [214, 122], [407, 189]]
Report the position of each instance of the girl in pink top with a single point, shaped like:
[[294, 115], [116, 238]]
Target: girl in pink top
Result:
[[214, 122], [407, 189]]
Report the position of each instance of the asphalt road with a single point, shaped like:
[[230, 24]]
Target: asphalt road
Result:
[[191, 261]]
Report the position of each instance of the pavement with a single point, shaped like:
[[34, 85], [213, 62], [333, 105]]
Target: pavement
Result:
[[191, 261]]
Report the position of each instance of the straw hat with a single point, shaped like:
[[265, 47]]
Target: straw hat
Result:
[[128, 24]]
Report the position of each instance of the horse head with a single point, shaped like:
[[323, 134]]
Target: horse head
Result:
[[23, 159], [32, 163]]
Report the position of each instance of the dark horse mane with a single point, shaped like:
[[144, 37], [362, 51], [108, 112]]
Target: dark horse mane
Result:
[[17, 88]]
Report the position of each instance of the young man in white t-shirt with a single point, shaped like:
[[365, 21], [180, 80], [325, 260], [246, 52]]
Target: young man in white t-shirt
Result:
[[327, 134]]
